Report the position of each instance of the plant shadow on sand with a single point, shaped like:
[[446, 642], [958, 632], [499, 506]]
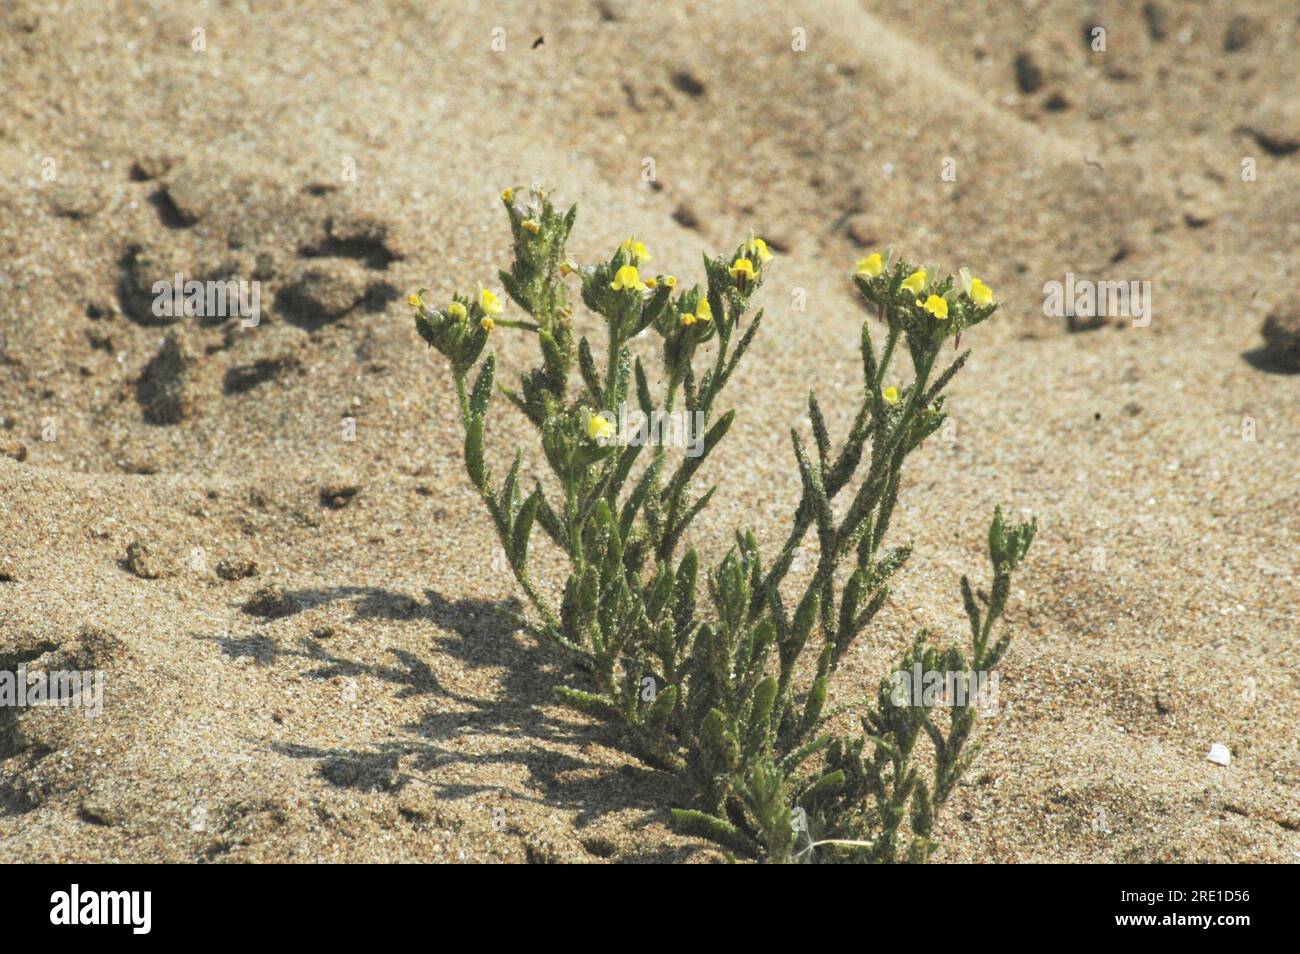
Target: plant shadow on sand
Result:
[[481, 637], [1262, 359]]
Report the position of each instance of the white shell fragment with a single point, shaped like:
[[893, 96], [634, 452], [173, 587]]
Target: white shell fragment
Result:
[[1219, 754]]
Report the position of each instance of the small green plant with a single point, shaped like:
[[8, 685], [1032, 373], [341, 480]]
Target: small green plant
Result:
[[726, 683]]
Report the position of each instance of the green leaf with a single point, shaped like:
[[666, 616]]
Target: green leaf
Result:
[[692, 464], [509, 489], [557, 368], [812, 709], [515, 291], [589, 591], [805, 616], [652, 309], [827, 785], [598, 707], [474, 453], [482, 393], [800, 755], [643, 390], [815, 491], [627, 457], [764, 697], [663, 707], [674, 535], [997, 538], [972, 608], [632, 506], [852, 599], [743, 346], [869, 366], [684, 592], [523, 527], [550, 521], [659, 592], [697, 824], [820, 434], [590, 376], [425, 329], [943, 379]]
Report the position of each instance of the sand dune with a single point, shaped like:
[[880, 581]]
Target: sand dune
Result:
[[355, 697]]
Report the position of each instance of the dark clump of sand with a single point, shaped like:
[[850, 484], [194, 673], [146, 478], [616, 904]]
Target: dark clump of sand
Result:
[[263, 536]]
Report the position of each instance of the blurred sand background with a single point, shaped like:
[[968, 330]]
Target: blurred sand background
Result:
[[356, 698]]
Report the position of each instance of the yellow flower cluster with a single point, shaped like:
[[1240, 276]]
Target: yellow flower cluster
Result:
[[743, 269], [489, 302], [873, 266], [703, 312]]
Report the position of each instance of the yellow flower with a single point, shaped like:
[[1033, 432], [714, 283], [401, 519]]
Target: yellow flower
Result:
[[531, 225], [457, 311], [599, 427], [703, 312], [414, 300], [890, 394], [742, 270], [670, 281], [936, 306], [915, 281], [636, 252], [508, 195], [758, 248], [627, 278], [652, 283], [490, 302], [871, 266], [487, 324], [980, 293]]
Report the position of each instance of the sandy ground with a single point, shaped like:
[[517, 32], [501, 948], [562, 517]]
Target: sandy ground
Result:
[[386, 714]]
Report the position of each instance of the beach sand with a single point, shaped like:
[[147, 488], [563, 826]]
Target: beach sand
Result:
[[295, 614]]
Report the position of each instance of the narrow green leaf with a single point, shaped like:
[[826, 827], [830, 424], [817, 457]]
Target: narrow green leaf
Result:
[[474, 453], [482, 393], [827, 785], [812, 709], [643, 390], [598, 707], [523, 527], [820, 434], [590, 376], [700, 825], [664, 704]]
